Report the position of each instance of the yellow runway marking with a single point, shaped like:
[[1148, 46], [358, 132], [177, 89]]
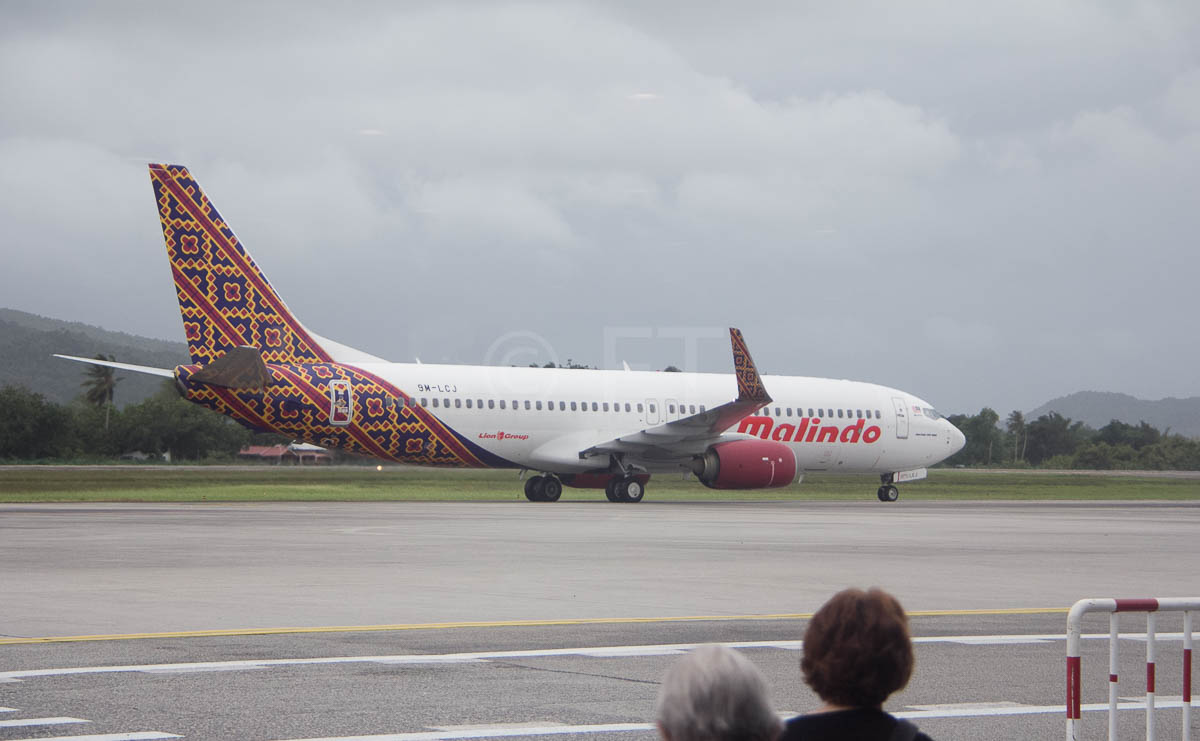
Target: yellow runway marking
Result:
[[494, 624]]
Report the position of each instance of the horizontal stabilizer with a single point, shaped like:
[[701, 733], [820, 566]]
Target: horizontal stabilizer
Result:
[[165, 373], [240, 368]]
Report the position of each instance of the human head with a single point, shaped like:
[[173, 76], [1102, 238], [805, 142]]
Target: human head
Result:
[[715, 694], [857, 650]]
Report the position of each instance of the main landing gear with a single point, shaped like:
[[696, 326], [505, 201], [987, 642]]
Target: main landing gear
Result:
[[888, 493], [543, 489], [625, 490], [547, 487]]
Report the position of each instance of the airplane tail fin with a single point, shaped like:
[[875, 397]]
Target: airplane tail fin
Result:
[[225, 300]]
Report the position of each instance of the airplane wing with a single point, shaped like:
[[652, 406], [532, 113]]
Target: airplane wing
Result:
[[692, 435]]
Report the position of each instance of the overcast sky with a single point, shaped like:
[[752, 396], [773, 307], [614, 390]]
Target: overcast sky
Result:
[[982, 204]]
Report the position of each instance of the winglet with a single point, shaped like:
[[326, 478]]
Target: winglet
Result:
[[750, 385]]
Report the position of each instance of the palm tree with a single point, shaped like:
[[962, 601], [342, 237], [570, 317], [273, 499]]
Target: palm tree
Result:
[[100, 384], [1016, 426]]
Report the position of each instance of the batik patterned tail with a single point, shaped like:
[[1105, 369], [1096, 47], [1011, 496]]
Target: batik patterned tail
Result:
[[750, 385], [224, 298]]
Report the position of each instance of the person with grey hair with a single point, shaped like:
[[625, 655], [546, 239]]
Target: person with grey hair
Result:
[[715, 694]]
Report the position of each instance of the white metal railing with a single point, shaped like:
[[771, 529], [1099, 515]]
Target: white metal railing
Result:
[[1113, 606]]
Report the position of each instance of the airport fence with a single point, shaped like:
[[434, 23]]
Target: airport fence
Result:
[[1114, 606]]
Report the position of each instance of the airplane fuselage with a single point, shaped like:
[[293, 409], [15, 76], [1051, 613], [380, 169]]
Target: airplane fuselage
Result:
[[541, 418]]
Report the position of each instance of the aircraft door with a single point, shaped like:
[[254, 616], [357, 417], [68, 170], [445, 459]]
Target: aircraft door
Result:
[[651, 411], [341, 403], [901, 418]]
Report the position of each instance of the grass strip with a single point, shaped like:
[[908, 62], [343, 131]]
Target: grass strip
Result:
[[32, 484]]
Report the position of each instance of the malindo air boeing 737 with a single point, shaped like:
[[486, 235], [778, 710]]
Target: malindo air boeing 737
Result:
[[254, 361]]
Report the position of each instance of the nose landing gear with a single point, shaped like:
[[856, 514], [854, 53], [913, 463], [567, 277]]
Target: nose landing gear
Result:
[[888, 493]]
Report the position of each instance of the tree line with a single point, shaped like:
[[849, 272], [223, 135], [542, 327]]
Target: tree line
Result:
[[91, 427], [1055, 441], [33, 428]]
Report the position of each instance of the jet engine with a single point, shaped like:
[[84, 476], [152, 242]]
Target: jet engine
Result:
[[746, 464]]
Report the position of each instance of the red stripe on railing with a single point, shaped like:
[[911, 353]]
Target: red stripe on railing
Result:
[[1187, 675], [1137, 605], [1074, 709], [1112, 678], [1149, 676]]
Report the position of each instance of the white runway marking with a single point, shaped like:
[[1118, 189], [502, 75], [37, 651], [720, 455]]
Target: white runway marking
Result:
[[31, 722], [482, 656], [966, 706], [494, 732], [185, 669], [135, 736], [26, 722], [992, 640]]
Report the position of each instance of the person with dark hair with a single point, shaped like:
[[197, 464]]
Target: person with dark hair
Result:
[[715, 694], [857, 651]]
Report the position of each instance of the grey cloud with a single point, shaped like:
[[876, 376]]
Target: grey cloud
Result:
[[983, 207]]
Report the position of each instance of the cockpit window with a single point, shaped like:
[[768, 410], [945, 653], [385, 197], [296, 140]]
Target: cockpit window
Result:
[[931, 413]]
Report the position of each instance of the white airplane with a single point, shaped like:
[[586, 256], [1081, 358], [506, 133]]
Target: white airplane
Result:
[[254, 361]]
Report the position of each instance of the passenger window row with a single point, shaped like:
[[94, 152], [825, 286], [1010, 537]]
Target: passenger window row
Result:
[[550, 406], [617, 407], [822, 412]]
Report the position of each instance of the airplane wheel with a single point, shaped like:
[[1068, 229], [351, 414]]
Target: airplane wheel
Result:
[[888, 493], [632, 491], [880, 495], [551, 489], [534, 486], [610, 491]]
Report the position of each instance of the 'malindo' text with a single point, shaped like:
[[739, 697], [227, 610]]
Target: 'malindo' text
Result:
[[807, 430]]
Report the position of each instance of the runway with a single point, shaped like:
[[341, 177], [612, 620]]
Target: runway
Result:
[[286, 581]]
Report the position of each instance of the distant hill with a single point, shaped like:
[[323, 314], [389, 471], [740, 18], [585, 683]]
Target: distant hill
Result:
[[27, 342], [1098, 408]]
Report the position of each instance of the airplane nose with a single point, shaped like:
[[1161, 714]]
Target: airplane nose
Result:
[[957, 439]]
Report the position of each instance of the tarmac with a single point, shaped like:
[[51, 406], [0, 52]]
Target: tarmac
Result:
[[421, 621]]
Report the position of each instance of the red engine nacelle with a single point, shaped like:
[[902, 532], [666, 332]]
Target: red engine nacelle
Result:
[[746, 464]]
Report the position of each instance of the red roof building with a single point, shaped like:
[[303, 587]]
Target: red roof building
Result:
[[296, 454]]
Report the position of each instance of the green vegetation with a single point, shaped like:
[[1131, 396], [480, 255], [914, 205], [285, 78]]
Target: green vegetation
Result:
[[34, 429], [394, 483], [92, 430], [1054, 441]]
